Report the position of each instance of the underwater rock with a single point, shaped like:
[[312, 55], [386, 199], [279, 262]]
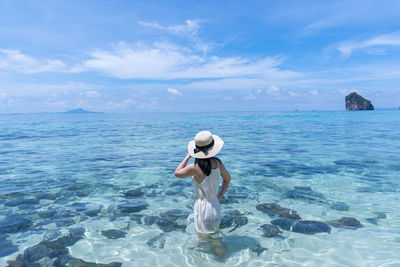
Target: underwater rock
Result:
[[157, 242], [134, 193], [351, 164], [236, 194], [92, 212], [92, 209], [37, 256], [274, 210], [226, 222], [233, 217], [341, 206], [14, 194], [136, 218], [270, 230], [65, 222], [45, 262], [151, 186], [82, 193], [304, 193], [285, 224], [64, 215], [79, 206], [239, 221], [75, 186], [64, 261], [52, 235], [303, 227], [113, 234], [149, 220], [6, 247], [379, 215], [310, 227], [43, 195], [234, 213], [174, 190], [77, 231], [172, 220], [346, 222], [181, 183], [65, 241], [175, 215], [26, 207], [21, 201], [41, 255], [133, 206], [36, 252], [14, 224], [169, 226], [355, 101], [47, 213]]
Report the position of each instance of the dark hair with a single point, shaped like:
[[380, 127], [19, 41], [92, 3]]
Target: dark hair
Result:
[[205, 164]]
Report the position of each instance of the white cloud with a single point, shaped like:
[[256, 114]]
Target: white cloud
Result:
[[293, 94], [313, 92], [371, 45], [273, 90], [377, 51], [139, 62], [190, 26], [11, 59], [174, 91], [124, 104], [323, 24], [92, 94], [165, 61], [188, 30]]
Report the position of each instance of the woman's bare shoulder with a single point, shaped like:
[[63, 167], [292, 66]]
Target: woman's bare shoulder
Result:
[[197, 169], [219, 161]]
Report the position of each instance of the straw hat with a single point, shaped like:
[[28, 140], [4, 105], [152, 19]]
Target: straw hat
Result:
[[205, 145]]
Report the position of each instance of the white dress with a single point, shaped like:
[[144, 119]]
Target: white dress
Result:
[[207, 210]]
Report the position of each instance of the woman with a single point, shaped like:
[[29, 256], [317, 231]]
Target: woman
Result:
[[206, 171]]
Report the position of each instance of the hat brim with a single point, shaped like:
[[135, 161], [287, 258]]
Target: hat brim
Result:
[[218, 144]]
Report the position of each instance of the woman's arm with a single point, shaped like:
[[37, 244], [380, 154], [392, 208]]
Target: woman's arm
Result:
[[226, 179], [183, 171]]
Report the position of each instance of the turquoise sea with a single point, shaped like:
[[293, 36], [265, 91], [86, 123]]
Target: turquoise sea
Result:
[[99, 188]]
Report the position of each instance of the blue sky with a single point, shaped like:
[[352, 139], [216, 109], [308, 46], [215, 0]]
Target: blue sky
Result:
[[128, 56]]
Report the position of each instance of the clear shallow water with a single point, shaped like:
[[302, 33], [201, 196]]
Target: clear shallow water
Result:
[[60, 172]]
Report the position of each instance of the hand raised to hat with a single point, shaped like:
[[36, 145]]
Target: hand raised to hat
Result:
[[179, 172]]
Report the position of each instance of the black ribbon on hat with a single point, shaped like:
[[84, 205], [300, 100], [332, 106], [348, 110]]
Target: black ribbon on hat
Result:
[[204, 148]]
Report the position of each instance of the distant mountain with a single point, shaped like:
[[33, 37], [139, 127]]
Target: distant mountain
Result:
[[78, 111]]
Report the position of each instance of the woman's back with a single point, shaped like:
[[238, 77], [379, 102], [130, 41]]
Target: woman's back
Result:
[[208, 187], [207, 209]]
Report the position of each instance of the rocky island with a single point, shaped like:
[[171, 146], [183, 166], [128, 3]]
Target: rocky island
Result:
[[356, 102]]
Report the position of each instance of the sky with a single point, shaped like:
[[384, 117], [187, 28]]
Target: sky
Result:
[[140, 56]]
